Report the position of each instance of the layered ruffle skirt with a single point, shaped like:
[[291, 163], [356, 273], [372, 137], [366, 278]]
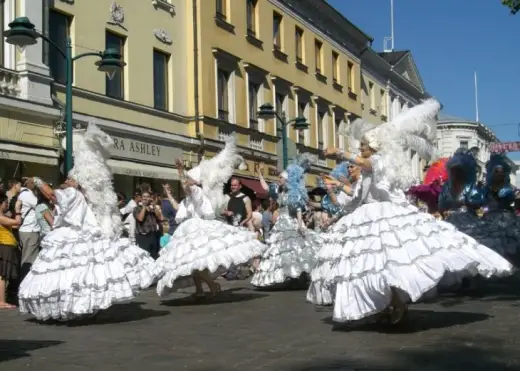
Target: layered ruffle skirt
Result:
[[500, 231], [384, 245], [78, 274], [200, 244], [291, 253]]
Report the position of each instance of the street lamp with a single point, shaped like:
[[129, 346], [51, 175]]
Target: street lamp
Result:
[[22, 33], [267, 112]]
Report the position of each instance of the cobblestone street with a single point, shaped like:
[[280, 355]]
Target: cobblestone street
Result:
[[253, 330]]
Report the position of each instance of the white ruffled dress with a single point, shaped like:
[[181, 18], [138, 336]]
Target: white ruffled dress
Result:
[[202, 242], [291, 251], [388, 243], [320, 292], [79, 271]]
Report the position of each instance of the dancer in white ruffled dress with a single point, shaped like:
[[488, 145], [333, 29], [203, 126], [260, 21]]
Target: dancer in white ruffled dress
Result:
[[203, 246], [500, 229], [346, 199], [84, 266], [391, 252], [460, 198], [292, 247]]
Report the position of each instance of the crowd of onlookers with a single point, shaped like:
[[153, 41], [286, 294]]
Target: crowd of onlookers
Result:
[[148, 220], [25, 218]]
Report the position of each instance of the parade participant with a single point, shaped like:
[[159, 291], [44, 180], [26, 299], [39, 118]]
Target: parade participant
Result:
[[392, 253], [202, 246], [348, 200], [291, 246], [501, 228], [429, 194], [84, 266], [460, 197]]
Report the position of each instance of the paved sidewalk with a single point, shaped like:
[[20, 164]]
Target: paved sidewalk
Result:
[[248, 330]]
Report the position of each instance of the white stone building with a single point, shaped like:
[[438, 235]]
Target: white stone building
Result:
[[455, 132]]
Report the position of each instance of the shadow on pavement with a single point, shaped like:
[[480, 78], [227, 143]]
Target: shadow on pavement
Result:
[[14, 349], [417, 320], [293, 284], [227, 296], [460, 354], [118, 313], [495, 289]]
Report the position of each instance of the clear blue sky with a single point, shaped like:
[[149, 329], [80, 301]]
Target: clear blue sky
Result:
[[450, 40]]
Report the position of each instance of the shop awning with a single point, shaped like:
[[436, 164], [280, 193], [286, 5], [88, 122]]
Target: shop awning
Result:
[[254, 185], [16, 152], [129, 168]]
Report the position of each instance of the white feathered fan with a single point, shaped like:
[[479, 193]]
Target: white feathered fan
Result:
[[91, 171], [215, 172]]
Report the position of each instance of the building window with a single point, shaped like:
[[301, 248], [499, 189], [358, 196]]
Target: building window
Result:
[[350, 76], [339, 140], [59, 31], [302, 107], [280, 101], [277, 31], [115, 87], [321, 122], [254, 90], [298, 35], [318, 46], [251, 17], [371, 95], [335, 67], [221, 9], [383, 102], [464, 144], [160, 80], [223, 94]]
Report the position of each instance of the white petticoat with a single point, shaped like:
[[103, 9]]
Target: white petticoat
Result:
[[291, 252], [199, 244], [79, 274], [383, 245]]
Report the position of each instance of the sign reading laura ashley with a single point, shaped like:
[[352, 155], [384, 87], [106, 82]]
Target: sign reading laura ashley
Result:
[[144, 151]]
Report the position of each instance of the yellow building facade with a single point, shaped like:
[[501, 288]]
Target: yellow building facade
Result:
[[196, 71]]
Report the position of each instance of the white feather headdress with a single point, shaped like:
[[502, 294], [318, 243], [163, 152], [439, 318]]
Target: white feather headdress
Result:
[[413, 129], [91, 171], [215, 172]]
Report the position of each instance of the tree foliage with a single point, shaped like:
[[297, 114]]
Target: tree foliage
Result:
[[513, 5]]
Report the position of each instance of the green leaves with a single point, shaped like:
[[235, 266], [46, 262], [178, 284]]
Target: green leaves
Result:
[[513, 5]]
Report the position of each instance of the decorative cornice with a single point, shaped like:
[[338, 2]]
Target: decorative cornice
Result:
[[162, 36], [165, 5]]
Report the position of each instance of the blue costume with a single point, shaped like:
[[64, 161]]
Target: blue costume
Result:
[[291, 247], [461, 208], [501, 229]]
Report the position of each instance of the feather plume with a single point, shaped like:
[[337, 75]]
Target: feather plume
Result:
[[91, 171]]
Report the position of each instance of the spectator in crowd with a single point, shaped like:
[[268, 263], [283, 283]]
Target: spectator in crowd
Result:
[[44, 215], [147, 217], [127, 213], [169, 207], [238, 213], [257, 218], [239, 209], [15, 186], [267, 217], [9, 257], [29, 231]]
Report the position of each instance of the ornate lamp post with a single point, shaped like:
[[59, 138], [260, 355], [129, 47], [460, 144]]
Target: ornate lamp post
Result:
[[22, 33], [267, 112]]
